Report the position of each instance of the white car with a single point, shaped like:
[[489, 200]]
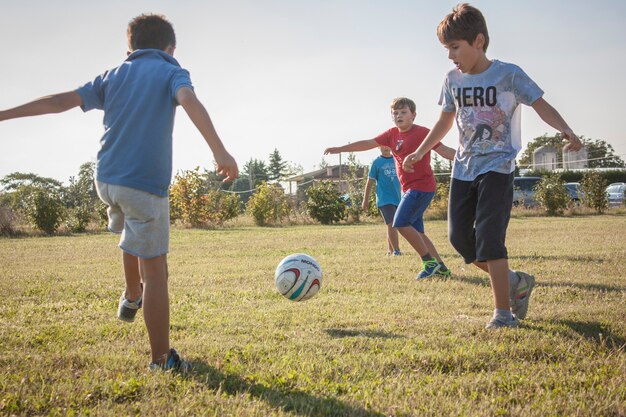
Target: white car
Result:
[[616, 193]]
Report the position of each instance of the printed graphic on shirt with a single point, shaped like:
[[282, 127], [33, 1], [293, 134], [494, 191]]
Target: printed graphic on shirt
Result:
[[488, 117]]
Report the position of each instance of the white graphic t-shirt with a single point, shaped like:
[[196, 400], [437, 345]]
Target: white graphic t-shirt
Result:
[[488, 117]]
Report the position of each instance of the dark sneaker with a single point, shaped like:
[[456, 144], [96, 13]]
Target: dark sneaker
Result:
[[497, 323], [127, 310], [520, 295], [173, 363], [397, 252], [429, 268]]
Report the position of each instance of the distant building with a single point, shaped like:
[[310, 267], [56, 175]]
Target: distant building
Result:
[[545, 158], [575, 159], [334, 173]]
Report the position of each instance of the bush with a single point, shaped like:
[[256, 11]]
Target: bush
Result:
[[45, 210], [593, 188], [268, 205], [7, 222], [193, 203], [551, 194], [81, 199], [438, 209], [325, 203]]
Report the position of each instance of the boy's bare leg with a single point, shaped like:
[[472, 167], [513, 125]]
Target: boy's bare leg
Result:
[[156, 307], [498, 270], [132, 276], [414, 238], [392, 238]]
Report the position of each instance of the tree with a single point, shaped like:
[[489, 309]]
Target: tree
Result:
[[16, 180], [256, 172], [277, 168], [355, 187], [599, 152]]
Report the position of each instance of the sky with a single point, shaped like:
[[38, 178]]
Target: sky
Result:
[[299, 75]]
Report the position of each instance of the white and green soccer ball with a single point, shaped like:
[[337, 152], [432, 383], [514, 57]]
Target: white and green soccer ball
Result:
[[298, 277]]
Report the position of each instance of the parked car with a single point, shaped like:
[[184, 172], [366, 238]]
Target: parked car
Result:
[[573, 188], [617, 194], [524, 191]]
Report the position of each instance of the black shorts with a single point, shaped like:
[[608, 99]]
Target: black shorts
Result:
[[478, 216]]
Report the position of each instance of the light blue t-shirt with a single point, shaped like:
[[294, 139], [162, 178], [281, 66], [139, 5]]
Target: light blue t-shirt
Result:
[[383, 170], [488, 117], [139, 103]]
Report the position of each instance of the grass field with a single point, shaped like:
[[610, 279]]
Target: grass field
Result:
[[373, 342]]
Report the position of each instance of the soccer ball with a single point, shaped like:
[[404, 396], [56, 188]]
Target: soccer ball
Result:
[[298, 277]]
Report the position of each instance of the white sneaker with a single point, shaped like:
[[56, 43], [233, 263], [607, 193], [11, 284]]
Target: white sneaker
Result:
[[127, 310], [520, 296], [497, 323]]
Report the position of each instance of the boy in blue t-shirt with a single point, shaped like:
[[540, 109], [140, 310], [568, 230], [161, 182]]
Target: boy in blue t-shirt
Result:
[[134, 164], [484, 96], [383, 174]]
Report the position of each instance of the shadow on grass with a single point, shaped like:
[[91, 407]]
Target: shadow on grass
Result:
[[597, 333], [291, 401], [339, 333], [484, 282]]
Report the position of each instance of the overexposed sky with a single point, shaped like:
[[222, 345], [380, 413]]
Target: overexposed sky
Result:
[[300, 75]]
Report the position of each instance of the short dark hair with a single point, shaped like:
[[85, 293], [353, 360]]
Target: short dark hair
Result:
[[464, 23], [150, 31], [400, 102]]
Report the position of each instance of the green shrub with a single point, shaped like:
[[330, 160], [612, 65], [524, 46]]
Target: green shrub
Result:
[[45, 210], [7, 222], [193, 203], [551, 194], [268, 205], [438, 209], [325, 203], [593, 187], [81, 199]]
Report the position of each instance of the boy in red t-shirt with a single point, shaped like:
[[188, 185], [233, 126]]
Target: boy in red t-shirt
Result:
[[418, 187]]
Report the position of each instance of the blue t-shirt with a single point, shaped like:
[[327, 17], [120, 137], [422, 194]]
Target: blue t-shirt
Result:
[[139, 103], [383, 170], [488, 117]]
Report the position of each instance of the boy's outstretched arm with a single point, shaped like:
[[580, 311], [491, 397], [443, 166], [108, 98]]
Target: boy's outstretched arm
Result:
[[445, 151], [361, 145], [55, 103], [226, 164], [552, 117], [439, 130], [366, 193]]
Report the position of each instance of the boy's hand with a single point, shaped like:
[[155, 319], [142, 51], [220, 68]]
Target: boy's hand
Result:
[[226, 166], [409, 161], [331, 151], [574, 143]]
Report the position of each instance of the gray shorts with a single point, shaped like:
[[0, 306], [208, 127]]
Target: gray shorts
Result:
[[142, 218]]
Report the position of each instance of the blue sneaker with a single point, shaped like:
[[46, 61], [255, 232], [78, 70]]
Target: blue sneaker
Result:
[[429, 268], [397, 252], [173, 363]]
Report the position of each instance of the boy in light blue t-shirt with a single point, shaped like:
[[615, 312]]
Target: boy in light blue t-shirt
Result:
[[134, 167], [483, 96], [388, 194]]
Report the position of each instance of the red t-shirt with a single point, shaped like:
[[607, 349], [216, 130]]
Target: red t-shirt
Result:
[[402, 144]]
